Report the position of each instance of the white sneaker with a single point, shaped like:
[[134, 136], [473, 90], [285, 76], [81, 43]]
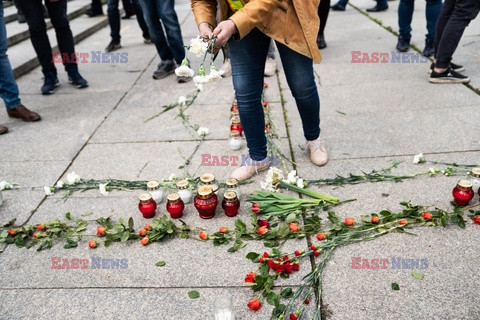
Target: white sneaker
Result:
[[318, 152], [226, 68], [270, 67]]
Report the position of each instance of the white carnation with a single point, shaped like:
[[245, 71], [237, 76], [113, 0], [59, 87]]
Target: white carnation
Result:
[[184, 71], [419, 158], [47, 190], [197, 46], [4, 185], [73, 178], [182, 100], [202, 131], [102, 187], [59, 184]]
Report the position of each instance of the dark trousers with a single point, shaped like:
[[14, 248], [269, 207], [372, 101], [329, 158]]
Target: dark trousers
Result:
[[97, 6], [114, 19], [452, 21], [405, 14], [128, 7], [57, 11], [323, 10]]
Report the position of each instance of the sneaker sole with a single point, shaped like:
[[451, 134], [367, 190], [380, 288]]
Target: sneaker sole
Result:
[[448, 80], [51, 91], [163, 76]]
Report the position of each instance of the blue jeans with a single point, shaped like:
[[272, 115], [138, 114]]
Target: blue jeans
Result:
[[114, 18], [381, 3], [156, 13], [8, 86], [248, 58], [405, 14]]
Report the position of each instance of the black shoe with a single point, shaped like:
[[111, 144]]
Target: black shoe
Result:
[[164, 69], [449, 76], [338, 7], [429, 48], [112, 46], [378, 8], [403, 44], [76, 79], [21, 18], [92, 13], [50, 82], [128, 16], [321, 44], [455, 67]]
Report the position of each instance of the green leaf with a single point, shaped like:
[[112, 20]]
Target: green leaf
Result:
[[125, 236], [70, 244], [130, 223], [417, 275], [240, 226], [287, 293], [194, 294], [290, 218], [68, 215], [272, 298], [271, 244], [160, 263], [395, 286], [86, 214], [10, 223], [252, 255]]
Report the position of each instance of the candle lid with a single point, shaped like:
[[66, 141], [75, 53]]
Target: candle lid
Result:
[[204, 192], [476, 172], [230, 196], [464, 184], [235, 133], [231, 182], [145, 198], [236, 120], [153, 185], [235, 113], [173, 197], [234, 103], [207, 178], [182, 184]]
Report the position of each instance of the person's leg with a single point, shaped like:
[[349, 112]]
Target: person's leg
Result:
[[340, 5], [8, 87], [114, 20], [301, 80], [97, 6], [431, 14], [58, 15], [33, 12], [405, 14], [129, 8], [323, 10], [463, 13], [248, 60], [443, 17], [155, 28], [381, 5], [141, 19], [167, 14]]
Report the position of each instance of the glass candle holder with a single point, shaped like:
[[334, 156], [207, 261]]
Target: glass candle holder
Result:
[[147, 205], [154, 189], [232, 185], [208, 179], [234, 106], [230, 204], [476, 180], [235, 141], [223, 309], [175, 205], [463, 193], [183, 190], [236, 126], [205, 202]]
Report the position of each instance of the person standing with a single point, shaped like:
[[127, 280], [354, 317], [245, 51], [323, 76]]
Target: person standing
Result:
[[249, 28], [454, 17], [114, 22], [160, 14], [95, 9], [405, 14], [323, 10], [57, 10], [8, 87]]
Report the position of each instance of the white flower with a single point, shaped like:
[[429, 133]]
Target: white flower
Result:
[[47, 190], [273, 176], [4, 185], [199, 87], [184, 71], [419, 158], [202, 131], [201, 79], [102, 187], [267, 186], [214, 75], [300, 183], [197, 46], [59, 184], [292, 177], [182, 100], [73, 178], [172, 177]]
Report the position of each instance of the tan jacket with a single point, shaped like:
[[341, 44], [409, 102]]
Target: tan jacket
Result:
[[294, 23]]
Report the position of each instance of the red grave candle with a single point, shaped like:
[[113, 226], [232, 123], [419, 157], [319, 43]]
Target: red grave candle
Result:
[[463, 193], [236, 126], [205, 202], [175, 205], [147, 205], [230, 203]]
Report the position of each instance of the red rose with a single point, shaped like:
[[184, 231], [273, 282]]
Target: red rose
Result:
[[92, 244], [293, 316], [321, 236], [147, 227], [254, 304], [263, 223], [271, 264], [427, 215], [142, 232], [374, 219], [203, 235], [223, 230], [313, 247], [101, 231], [40, 227], [256, 210], [144, 241], [262, 230], [35, 236], [265, 255], [293, 227], [349, 221], [316, 253], [476, 219], [296, 267], [250, 278], [12, 232], [403, 222], [307, 301], [297, 253]]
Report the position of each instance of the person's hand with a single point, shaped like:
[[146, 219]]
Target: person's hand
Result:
[[223, 32], [205, 30]]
